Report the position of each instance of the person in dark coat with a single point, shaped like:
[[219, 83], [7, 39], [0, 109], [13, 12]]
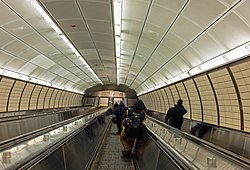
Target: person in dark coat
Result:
[[127, 137], [115, 105], [175, 115], [119, 113]]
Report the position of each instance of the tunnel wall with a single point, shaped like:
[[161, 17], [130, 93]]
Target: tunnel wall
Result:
[[17, 95], [220, 96]]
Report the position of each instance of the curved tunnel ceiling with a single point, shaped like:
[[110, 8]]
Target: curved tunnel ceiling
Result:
[[159, 39]]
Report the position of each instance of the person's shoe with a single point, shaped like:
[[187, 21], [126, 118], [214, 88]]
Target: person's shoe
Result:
[[127, 154]]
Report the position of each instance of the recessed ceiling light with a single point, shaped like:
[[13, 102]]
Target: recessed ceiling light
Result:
[[153, 32], [21, 28]]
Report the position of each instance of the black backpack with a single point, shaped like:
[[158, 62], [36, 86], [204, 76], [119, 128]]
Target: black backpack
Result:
[[132, 125]]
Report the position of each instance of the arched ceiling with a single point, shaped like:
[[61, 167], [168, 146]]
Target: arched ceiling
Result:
[[159, 39]]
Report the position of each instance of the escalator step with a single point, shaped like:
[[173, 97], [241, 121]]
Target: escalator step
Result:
[[109, 154]]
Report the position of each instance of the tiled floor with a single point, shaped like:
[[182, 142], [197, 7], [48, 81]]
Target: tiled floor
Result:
[[109, 155]]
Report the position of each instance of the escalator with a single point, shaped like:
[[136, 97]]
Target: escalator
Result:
[[109, 153], [92, 143]]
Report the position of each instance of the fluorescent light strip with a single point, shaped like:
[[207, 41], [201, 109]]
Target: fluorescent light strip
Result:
[[21, 76], [117, 20], [220, 60], [63, 37]]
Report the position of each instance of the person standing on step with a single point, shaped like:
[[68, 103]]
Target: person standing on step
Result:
[[175, 115], [119, 113], [131, 126]]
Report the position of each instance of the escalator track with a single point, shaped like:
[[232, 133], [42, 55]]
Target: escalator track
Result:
[[109, 153]]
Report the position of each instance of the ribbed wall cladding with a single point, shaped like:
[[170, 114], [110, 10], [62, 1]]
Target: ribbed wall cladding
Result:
[[17, 95], [220, 96]]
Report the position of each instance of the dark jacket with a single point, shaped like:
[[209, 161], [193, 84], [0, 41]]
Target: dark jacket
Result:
[[120, 112], [174, 116]]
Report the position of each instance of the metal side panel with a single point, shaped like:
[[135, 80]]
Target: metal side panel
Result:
[[79, 150], [74, 152], [53, 162], [147, 153], [150, 156]]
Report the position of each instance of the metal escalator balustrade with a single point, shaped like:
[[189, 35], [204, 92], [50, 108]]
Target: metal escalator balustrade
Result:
[[192, 150], [15, 156]]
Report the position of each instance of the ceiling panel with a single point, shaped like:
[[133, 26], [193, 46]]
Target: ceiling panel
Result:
[[159, 39], [57, 9], [96, 10], [230, 36], [5, 58]]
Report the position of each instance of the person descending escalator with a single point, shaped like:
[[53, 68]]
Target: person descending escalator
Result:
[[131, 126], [119, 114], [175, 115]]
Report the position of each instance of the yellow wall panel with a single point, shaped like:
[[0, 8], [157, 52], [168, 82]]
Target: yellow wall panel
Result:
[[165, 103], [194, 100], [57, 99], [184, 97], [53, 99], [42, 98], [161, 101], [155, 101], [66, 99], [174, 93], [61, 100], [48, 97], [34, 97], [170, 97], [227, 98], [15, 96], [5, 87], [24, 104], [241, 73], [208, 100]]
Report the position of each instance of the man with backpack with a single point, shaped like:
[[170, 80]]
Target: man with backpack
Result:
[[175, 114], [131, 126], [119, 113]]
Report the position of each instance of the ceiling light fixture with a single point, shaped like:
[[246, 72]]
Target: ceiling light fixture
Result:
[[117, 20], [20, 76], [63, 37], [225, 58]]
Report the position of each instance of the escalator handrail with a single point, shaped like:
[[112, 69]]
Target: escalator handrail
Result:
[[6, 144], [175, 157], [52, 148], [33, 114], [243, 162]]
